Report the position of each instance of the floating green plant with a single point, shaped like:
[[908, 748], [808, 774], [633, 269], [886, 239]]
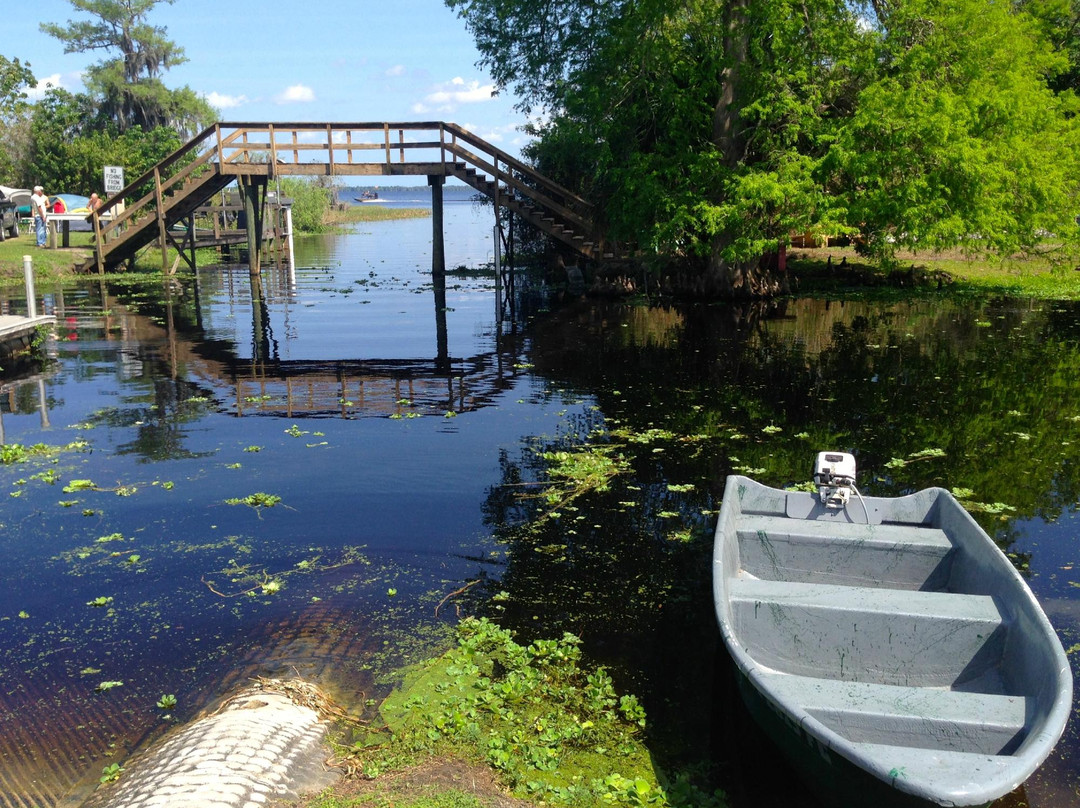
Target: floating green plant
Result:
[[924, 454], [167, 702], [111, 773], [98, 602], [49, 476], [105, 687], [256, 500], [19, 453], [79, 485]]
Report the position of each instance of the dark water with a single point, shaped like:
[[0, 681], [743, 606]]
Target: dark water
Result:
[[401, 436]]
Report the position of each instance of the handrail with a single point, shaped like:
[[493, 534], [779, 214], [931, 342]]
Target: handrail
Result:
[[361, 148], [551, 185]]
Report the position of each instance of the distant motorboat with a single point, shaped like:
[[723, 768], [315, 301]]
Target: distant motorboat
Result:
[[369, 196]]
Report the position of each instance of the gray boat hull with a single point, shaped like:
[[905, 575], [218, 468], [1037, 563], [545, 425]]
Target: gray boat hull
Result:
[[889, 649]]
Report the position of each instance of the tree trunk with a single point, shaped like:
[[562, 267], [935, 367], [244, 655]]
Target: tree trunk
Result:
[[744, 278]]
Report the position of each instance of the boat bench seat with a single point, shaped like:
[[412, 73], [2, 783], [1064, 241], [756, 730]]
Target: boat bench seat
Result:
[[883, 636], [927, 718], [890, 556]]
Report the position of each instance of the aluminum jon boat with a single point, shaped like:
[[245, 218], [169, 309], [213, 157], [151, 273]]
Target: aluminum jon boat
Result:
[[887, 646]]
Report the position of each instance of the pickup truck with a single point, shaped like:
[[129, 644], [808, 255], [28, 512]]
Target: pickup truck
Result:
[[9, 217]]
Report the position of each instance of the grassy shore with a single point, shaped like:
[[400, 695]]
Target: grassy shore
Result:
[[342, 215], [831, 268], [52, 265]]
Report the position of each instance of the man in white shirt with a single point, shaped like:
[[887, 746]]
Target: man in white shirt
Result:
[[39, 206]]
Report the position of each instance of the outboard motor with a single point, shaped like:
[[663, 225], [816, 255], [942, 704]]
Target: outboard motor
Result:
[[834, 475]]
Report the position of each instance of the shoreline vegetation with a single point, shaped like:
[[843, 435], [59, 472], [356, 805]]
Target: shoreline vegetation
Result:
[[811, 271]]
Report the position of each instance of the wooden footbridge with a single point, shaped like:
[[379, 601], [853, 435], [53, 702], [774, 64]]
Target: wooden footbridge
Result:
[[252, 154]]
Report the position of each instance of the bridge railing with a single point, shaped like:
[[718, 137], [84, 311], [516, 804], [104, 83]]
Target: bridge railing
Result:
[[381, 148]]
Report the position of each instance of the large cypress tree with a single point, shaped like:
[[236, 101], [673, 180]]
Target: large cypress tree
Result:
[[128, 81]]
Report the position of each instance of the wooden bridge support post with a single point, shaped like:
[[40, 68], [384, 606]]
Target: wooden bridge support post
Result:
[[438, 251], [442, 342], [159, 207], [260, 321], [253, 191]]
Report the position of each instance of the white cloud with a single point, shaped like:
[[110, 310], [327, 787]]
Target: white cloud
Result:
[[396, 70], [296, 94], [449, 96], [44, 83], [225, 101]]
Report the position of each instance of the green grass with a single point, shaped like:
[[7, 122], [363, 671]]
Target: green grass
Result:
[[49, 265], [356, 214], [1032, 277], [447, 799]]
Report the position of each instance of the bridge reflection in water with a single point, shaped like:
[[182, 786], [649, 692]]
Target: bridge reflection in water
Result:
[[265, 384]]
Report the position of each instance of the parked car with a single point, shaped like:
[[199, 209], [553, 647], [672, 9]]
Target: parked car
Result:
[[10, 199]]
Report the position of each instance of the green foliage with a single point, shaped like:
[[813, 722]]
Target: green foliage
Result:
[[111, 773], [73, 141], [590, 469], [256, 500], [167, 702], [19, 453], [128, 85], [15, 77], [311, 203], [960, 142], [556, 730], [710, 130]]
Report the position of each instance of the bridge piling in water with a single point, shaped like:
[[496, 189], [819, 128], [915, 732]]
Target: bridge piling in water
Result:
[[438, 249]]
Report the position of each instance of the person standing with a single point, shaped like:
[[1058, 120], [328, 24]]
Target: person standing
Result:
[[39, 204]]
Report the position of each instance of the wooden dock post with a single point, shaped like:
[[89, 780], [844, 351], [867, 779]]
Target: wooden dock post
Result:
[[438, 251], [253, 191]]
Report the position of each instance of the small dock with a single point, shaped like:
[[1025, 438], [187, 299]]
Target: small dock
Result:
[[17, 332]]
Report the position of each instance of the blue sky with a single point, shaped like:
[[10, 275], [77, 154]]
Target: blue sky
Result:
[[327, 60]]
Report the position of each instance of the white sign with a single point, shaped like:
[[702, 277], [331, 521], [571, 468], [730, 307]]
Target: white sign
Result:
[[114, 179]]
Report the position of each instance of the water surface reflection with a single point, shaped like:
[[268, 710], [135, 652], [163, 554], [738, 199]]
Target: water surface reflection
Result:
[[401, 477]]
